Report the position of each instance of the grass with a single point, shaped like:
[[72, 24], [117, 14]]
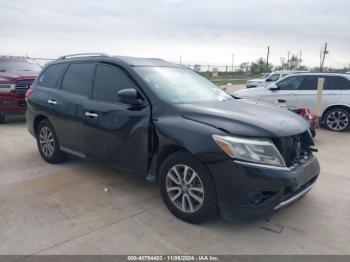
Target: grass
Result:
[[223, 78]]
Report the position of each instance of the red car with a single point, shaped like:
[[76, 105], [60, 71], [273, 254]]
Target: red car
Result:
[[16, 76]]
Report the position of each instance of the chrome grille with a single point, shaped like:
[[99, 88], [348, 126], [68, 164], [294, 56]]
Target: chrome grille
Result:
[[22, 86]]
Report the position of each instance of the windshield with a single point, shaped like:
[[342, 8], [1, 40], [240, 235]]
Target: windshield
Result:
[[180, 85], [17, 66]]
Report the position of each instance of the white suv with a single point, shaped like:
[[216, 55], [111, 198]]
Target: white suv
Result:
[[299, 90]]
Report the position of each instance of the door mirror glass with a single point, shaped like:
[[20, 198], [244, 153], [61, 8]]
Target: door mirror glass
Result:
[[273, 87], [129, 96]]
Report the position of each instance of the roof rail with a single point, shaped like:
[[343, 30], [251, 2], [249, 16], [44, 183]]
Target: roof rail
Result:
[[82, 55]]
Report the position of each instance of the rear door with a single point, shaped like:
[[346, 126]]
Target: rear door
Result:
[[286, 92], [67, 106], [338, 90], [115, 132], [307, 92]]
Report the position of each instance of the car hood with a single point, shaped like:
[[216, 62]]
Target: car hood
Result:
[[258, 80], [246, 118], [15, 75], [248, 92]]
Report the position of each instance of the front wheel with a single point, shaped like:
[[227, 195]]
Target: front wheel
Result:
[[48, 143], [337, 119], [187, 188]]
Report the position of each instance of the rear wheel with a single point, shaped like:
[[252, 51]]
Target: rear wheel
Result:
[[187, 188], [48, 143], [337, 119]]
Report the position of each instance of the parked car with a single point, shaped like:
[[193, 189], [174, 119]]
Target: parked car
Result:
[[266, 80], [16, 76], [166, 123], [300, 90]]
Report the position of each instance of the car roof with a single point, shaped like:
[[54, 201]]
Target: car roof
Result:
[[323, 74], [131, 61]]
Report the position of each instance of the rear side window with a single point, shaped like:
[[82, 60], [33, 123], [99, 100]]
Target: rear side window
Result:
[[50, 76], [309, 83], [108, 81], [78, 79], [337, 83], [290, 83]]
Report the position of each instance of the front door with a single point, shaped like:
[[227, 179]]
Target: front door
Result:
[[286, 92], [115, 132]]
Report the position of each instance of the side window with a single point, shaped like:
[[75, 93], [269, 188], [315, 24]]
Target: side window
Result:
[[273, 78], [337, 83], [78, 79], [309, 83], [290, 83], [50, 76], [108, 81]]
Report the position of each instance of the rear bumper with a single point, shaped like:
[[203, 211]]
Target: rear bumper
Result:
[[248, 192]]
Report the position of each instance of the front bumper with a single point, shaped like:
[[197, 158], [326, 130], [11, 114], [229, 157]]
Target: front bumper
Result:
[[246, 191], [12, 105]]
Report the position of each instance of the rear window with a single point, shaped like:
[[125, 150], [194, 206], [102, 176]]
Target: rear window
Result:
[[337, 83], [50, 76], [78, 79]]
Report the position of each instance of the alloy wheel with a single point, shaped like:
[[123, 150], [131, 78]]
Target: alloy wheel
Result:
[[337, 121], [47, 142], [185, 188]]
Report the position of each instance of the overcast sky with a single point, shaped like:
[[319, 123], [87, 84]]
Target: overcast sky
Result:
[[199, 31]]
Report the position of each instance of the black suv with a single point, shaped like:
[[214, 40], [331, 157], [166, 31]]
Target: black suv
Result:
[[207, 150]]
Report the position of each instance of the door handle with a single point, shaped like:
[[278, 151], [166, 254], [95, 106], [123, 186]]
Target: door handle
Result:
[[92, 115], [51, 102]]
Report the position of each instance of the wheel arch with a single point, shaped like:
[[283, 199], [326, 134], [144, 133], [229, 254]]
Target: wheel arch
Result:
[[37, 121], [164, 153], [345, 107]]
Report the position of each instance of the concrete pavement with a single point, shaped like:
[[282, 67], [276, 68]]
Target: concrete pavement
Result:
[[63, 209]]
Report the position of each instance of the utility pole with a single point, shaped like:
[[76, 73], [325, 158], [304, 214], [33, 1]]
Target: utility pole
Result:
[[180, 60], [267, 57], [300, 58], [233, 56], [288, 59], [323, 52]]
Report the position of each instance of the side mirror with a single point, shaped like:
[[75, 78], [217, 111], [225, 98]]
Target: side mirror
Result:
[[273, 87], [129, 96]]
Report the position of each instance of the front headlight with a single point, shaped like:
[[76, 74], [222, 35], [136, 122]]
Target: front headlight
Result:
[[6, 88], [261, 151]]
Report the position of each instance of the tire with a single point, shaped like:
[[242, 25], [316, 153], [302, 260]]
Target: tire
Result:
[[2, 119], [337, 119], [48, 144], [195, 189]]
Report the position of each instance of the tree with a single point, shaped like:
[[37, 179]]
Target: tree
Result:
[[293, 63], [260, 66], [244, 67]]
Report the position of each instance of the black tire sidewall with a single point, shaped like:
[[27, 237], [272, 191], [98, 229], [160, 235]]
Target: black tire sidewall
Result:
[[58, 155], [339, 110], [209, 206]]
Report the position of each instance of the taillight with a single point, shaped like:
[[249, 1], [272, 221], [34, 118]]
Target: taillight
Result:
[[29, 92]]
